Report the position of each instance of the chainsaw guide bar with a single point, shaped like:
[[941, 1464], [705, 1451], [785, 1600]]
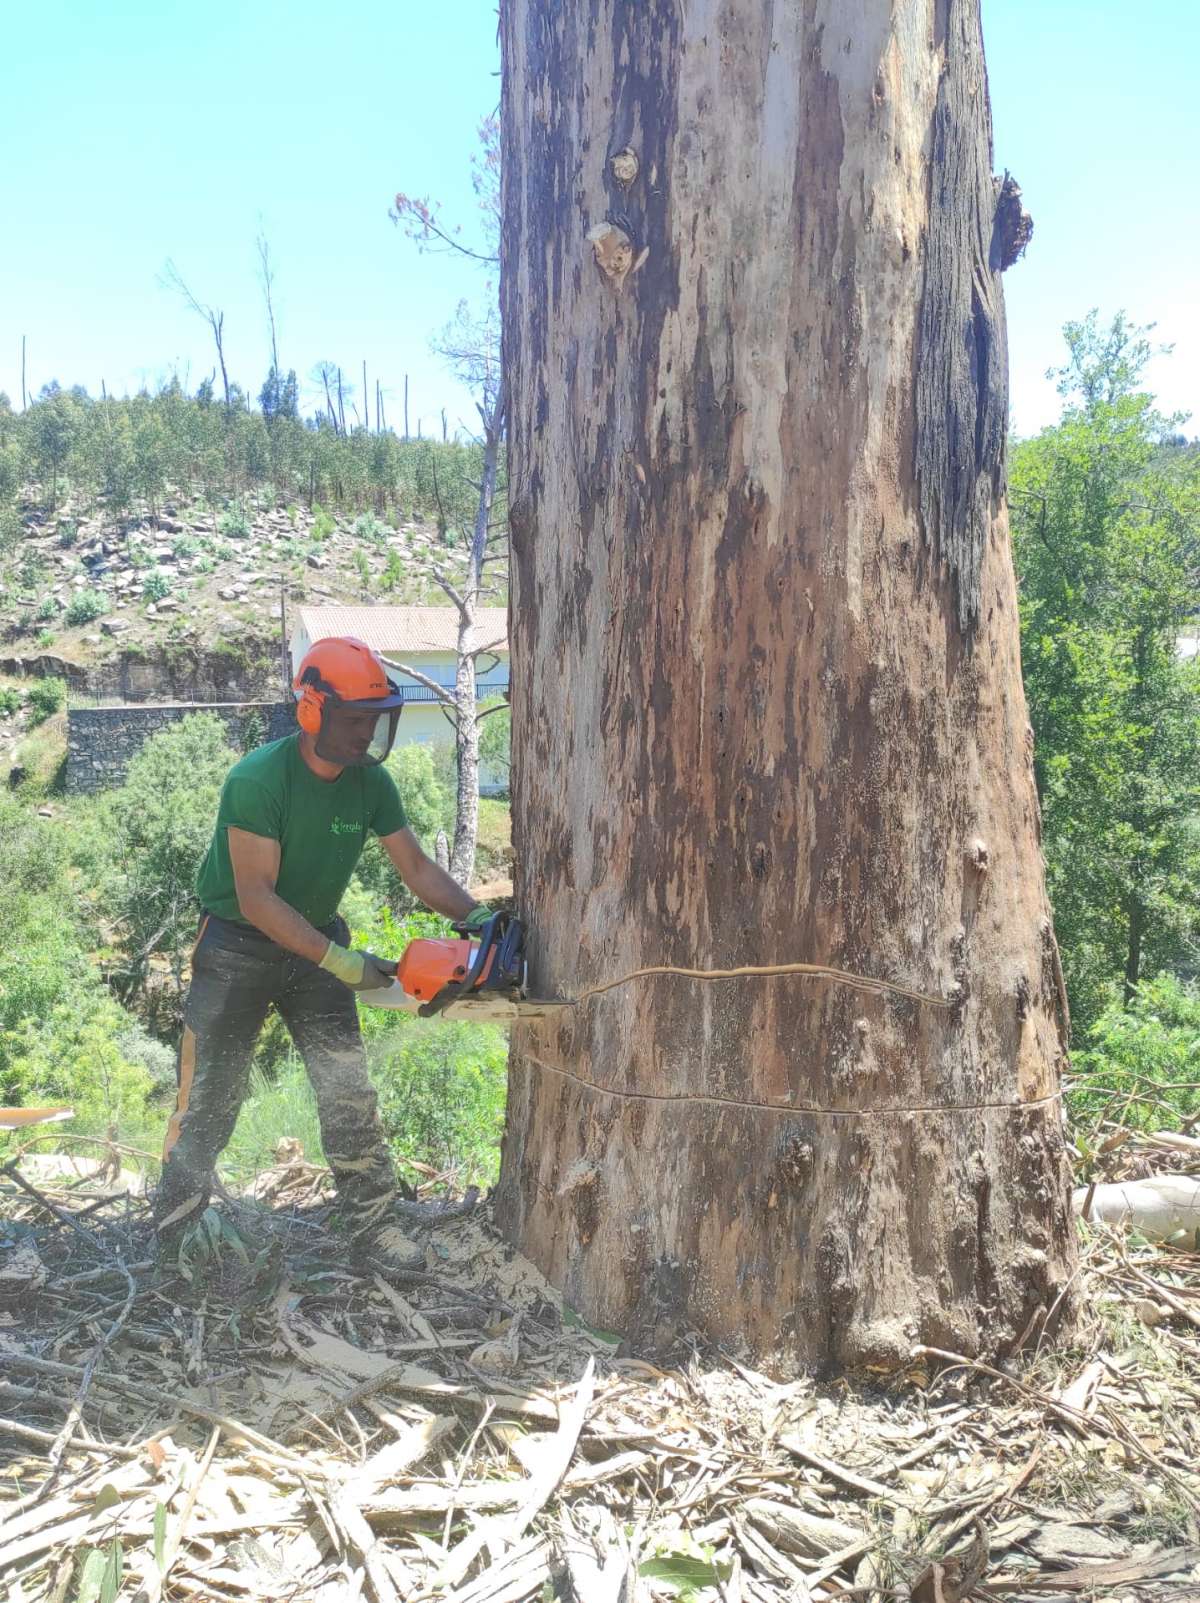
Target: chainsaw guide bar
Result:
[[486, 981]]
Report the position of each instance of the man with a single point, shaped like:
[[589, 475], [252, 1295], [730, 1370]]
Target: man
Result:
[[292, 822]]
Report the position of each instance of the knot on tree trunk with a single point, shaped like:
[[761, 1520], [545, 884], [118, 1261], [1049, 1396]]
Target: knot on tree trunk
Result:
[[613, 249], [1012, 228]]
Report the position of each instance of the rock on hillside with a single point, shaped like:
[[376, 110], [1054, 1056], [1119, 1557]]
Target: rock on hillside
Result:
[[96, 592]]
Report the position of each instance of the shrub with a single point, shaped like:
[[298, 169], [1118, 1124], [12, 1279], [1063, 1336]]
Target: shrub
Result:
[[68, 533], [46, 697], [1141, 1061], [47, 608], [10, 701], [157, 585], [393, 573], [71, 1053], [233, 524], [441, 1095], [85, 606], [323, 524], [184, 547], [368, 527]]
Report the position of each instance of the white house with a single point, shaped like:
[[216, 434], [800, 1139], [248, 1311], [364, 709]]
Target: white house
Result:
[[424, 638]]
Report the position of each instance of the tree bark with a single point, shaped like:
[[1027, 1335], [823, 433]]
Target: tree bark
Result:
[[767, 702]]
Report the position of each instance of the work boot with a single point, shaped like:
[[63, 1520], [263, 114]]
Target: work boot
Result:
[[384, 1249]]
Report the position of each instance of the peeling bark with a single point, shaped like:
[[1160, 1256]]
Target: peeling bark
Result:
[[767, 702]]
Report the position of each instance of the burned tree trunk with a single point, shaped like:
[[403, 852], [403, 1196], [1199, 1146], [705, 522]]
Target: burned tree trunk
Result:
[[767, 700]]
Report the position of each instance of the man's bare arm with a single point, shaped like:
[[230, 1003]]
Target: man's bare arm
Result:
[[424, 878], [255, 860]]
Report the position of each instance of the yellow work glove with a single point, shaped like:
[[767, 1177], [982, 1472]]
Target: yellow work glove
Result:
[[361, 971]]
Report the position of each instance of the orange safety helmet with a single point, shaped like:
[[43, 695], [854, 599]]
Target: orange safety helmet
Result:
[[346, 701]]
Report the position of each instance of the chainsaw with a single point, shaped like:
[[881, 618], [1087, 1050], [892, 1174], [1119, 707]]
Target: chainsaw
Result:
[[458, 978], [486, 979]]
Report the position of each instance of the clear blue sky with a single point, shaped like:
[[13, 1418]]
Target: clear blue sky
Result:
[[137, 130]]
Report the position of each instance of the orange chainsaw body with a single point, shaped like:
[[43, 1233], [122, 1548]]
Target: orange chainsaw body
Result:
[[429, 965]]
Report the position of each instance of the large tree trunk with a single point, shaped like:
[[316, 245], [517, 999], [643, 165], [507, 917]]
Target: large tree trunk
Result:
[[767, 699]]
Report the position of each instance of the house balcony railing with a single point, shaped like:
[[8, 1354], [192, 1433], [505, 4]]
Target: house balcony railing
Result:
[[486, 686]]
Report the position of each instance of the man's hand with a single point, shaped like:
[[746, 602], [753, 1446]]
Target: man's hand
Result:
[[361, 971]]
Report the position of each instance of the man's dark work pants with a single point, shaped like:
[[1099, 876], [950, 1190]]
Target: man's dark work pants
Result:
[[237, 973]]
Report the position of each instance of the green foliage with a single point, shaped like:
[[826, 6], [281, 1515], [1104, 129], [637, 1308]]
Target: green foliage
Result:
[[68, 533], [254, 731], [323, 524], [72, 1055], [1105, 516], [46, 697], [85, 606], [159, 825], [1140, 1065], [363, 569], [10, 701], [495, 739], [156, 586], [368, 527], [441, 1094], [428, 807], [62, 1037], [233, 524], [393, 572], [121, 453]]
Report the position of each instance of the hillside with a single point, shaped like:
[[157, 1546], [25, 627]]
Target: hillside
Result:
[[91, 589]]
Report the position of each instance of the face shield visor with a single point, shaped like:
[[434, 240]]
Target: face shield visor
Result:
[[358, 734]]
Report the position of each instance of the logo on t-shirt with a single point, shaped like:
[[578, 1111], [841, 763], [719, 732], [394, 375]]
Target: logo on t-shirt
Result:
[[342, 826]]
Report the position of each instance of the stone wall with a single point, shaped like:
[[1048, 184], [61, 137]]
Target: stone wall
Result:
[[101, 740]]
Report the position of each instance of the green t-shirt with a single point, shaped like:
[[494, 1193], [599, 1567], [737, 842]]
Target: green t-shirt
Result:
[[321, 826]]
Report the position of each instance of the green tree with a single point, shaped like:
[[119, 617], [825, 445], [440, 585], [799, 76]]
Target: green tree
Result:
[[53, 426], [1105, 529], [160, 823]]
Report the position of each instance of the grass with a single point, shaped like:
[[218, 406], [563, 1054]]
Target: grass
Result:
[[276, 1107], [43, 755], [493, 847]]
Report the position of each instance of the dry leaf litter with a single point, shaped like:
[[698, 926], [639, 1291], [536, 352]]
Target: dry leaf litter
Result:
[[277, 1427]]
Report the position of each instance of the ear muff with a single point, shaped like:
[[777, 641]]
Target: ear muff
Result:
[[310, 704]]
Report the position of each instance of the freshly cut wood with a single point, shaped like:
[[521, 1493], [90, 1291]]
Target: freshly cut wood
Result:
[[18, 1118], [1157, 1208], [767, 702]]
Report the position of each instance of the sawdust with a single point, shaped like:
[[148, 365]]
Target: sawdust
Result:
[[472, 1250]]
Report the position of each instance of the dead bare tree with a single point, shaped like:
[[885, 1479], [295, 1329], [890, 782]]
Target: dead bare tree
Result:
[[473, 349], [470, 345], [266, 277], [171, 278]]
